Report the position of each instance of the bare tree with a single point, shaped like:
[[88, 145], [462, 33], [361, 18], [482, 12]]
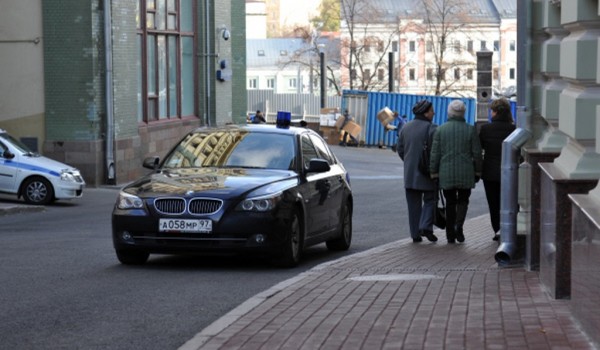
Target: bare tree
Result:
[[308, 58], [369, 40], [445, 20]]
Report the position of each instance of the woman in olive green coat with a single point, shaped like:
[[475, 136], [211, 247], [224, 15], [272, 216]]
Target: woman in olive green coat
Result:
[[456, 165]]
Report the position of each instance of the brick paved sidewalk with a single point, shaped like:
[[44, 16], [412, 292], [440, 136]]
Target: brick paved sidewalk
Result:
[[404, 296]]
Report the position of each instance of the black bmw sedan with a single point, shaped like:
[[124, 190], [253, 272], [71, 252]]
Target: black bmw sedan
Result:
[[256, 189]]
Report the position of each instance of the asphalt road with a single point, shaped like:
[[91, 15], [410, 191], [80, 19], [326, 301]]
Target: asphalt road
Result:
[[61, 285]]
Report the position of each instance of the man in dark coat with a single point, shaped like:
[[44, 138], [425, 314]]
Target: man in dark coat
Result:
[[491, 136], [419, 188]]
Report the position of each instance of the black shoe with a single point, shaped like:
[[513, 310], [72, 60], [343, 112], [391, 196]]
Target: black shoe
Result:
[[417, 240], [460, 237], [430, 236], [496, 237], [451, 241]]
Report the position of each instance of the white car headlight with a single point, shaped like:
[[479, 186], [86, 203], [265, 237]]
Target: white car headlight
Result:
[[261, 204], [66, 175], [129, 201]]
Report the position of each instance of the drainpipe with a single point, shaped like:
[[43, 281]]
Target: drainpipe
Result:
[[207, 62], [110, 121], [509, 184]]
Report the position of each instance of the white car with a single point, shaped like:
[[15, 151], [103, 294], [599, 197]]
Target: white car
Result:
[[39, 180]]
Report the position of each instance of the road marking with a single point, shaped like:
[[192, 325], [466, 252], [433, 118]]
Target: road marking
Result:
[[375, 177]]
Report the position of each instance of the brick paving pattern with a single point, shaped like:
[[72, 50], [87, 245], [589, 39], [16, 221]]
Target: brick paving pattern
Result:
[[406, 296]]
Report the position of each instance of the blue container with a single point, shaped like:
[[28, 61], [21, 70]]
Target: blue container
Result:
[[374, 133]]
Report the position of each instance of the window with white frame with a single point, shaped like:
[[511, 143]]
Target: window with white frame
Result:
[[270, 83], [394, 46], [252, 83], [483, 45], [457, 46], [292, 83], [513, 45], [470, 73], [380, 74], [496, 45], [412, 74], [412, 46], [470, 46], [429, 74], [456, 73], [429, 46], [511, 73]]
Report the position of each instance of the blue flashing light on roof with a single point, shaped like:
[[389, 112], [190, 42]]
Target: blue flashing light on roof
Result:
[[284, 119]]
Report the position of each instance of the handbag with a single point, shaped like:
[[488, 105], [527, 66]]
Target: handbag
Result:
[[439, 218]]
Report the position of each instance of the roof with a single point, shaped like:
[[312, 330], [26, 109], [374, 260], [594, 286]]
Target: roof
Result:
[[478, 11], [276, 51]]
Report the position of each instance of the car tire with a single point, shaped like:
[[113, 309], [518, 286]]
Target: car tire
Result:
[[345, 239], [38, 191], [132, 257], [292, 248]]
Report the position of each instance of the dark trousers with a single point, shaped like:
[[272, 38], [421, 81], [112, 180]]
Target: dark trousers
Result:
[[457, 204], [492, 193], [421, 205]]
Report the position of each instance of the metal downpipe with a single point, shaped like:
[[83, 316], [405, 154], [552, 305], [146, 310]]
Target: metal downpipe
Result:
[[509, 184], [110, 119]]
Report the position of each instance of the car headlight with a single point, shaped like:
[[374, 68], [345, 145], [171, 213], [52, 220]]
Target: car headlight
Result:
[[129, 201], [67, 175], [260, 204]]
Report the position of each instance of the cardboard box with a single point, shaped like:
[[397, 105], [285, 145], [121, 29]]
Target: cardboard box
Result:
[[385, 116], [339, 122], [331, 135], [352, 128], [330, 110]]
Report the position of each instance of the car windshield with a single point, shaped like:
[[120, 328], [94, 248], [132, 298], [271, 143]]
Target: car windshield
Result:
[[16, 143], [234, 149]]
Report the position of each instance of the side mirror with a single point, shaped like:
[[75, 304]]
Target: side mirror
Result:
[[8, 155], [318, 166], [151, 163]]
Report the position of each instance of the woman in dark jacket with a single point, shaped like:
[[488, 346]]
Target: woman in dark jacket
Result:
[[491, 137], [456, 164]]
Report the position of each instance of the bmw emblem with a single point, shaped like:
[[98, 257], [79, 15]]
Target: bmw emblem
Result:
[[189, 193]]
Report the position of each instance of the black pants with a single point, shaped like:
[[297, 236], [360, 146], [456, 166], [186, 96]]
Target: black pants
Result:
[[492, 193], [457, 204]]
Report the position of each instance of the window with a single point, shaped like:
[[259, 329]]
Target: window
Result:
[[166, 66], [513, 45], [470, 46], [292, 83], [456, 73], [457, 47], [353, 74], [429, 46], [394, 46], [308, 150], [412, 46], [252, 83], [270, 83], [412, 74], [495, 74], [380, 46], [380, 74], [496, 45], [261, 52], [366, 75], [367, 46], [511, 73], [429, 73], [483, 45], [470, 73]]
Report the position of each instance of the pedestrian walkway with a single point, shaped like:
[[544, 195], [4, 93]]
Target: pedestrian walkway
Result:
[[404, 296]]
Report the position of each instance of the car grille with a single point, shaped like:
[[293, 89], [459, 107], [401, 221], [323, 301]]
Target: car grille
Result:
[[196, 206]]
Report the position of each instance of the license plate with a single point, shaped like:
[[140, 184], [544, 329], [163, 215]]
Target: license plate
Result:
[[185, 225]]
